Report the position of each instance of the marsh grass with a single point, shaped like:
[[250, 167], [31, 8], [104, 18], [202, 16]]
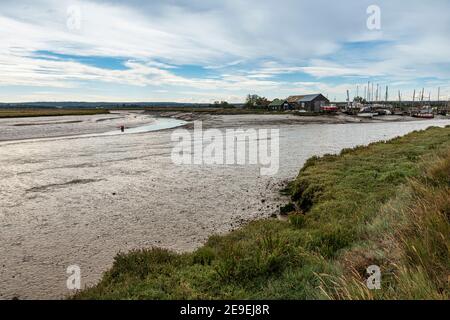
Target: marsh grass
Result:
[[385, 204], [22, 113]]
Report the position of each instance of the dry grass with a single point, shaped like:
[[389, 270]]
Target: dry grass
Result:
[[417, 250]]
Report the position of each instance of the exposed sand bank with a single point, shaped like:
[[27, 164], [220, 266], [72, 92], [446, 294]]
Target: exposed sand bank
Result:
[[211, 120]]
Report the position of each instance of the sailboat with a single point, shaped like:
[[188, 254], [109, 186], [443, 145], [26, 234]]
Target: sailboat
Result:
[[425, 112]]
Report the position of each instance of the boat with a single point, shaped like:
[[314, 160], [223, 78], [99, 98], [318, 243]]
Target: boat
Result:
[[424, 113], [329, 109], [384, 112], [366, 112]]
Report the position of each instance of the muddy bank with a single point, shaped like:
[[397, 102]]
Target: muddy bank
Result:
[[237, 120], [79, 201]]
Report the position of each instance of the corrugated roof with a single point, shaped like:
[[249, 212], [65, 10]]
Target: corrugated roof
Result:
[[276, 103], [309, 97], [294, 99], [303, 98]]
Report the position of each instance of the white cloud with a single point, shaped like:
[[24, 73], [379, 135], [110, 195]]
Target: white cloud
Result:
[[246, 46]]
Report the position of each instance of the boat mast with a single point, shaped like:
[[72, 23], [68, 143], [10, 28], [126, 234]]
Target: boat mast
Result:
[[371, 96], [439, 94], [387, 94], [439, 100], [348, 100], [423, 91], [377, 93]]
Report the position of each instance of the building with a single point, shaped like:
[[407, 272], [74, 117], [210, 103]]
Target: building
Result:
[[309, 102], [279, 104]]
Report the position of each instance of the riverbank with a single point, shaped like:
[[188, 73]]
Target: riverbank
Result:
[[386, 204]]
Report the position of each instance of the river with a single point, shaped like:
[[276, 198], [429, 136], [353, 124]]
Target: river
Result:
[[80, 200]]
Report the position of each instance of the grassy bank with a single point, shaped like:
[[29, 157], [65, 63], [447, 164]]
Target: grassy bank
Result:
[[22, 113], [387, 204]]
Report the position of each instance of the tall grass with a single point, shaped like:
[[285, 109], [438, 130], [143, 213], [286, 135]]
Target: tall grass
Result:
[[416, 245]]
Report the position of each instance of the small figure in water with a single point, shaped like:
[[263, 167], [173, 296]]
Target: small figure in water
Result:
[[122, 128]]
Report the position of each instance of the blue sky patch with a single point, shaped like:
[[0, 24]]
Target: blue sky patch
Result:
[[111, 63]]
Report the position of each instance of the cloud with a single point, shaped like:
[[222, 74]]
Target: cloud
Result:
[[242, 46]]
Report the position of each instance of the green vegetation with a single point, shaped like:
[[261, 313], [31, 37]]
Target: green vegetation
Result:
[[387, 204], [22, 113], [360, 100], [253, 101]]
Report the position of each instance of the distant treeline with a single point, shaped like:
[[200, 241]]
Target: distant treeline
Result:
[[110, 105]]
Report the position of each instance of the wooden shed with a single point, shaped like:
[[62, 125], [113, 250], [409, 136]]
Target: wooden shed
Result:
[[309, 102], [279, 104]]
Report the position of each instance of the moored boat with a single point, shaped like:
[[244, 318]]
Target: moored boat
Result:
[[329, 109], [424, 113]]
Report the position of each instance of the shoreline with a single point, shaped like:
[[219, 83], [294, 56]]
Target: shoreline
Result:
[[263, 258]]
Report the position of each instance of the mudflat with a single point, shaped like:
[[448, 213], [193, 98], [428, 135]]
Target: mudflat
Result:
[[80, 200]]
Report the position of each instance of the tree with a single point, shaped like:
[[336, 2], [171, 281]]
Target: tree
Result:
[[360, 100], [255, 101], [223, 104]]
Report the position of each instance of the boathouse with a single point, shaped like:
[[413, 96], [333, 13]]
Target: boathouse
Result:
[[309, 102]]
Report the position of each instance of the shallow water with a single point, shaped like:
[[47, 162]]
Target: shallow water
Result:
[[51, 127], [81, 200], [157, 125]]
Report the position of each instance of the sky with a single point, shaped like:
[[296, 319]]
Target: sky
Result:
[[206, 51]]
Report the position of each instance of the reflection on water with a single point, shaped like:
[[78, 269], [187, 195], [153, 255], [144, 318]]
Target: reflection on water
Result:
[[157, 125]]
